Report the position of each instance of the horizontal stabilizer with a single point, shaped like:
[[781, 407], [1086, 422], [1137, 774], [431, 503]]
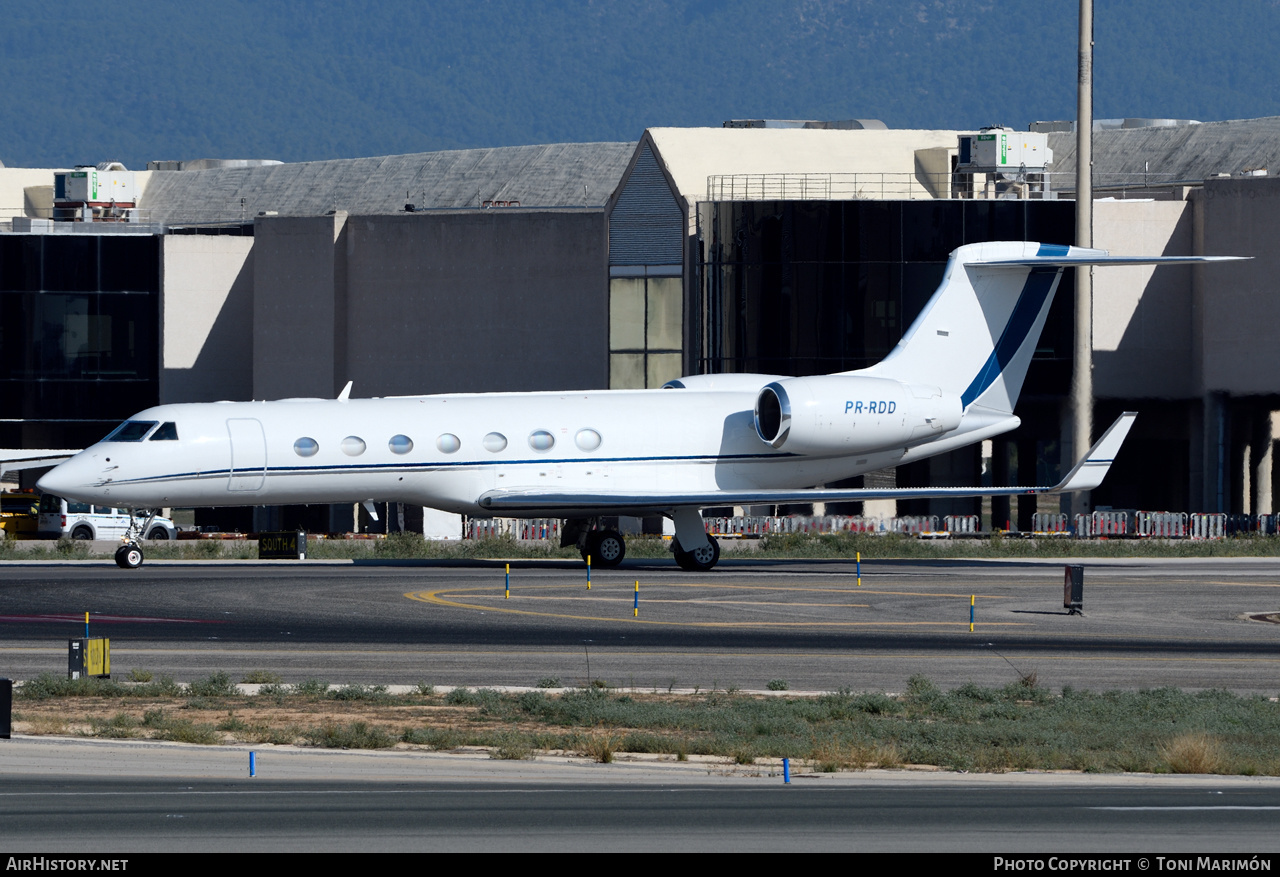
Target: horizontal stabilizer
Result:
[[1086, 475], [1079, 256]]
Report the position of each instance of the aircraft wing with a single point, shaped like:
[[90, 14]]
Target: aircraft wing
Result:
[[12, 459], [1086, 475]]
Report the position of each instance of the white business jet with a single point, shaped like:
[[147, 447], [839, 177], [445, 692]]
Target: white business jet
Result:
[[701, 441]]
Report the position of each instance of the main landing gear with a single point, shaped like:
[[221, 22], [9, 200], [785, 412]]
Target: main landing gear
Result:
[[699, 559], [605, 547], [694, 550]]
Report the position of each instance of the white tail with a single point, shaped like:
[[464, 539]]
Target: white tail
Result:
[[976, 336]]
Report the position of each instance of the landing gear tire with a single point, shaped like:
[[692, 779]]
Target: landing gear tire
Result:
[[129, 556], [700, 559], [606, 548]]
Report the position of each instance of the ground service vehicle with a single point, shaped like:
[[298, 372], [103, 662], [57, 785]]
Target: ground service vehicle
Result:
[[81, 520]]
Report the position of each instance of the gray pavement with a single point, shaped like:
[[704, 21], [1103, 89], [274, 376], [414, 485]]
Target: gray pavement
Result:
[[1148, 623], [59, 796]]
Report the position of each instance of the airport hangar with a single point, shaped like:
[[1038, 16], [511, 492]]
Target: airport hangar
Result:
[[760, 246]]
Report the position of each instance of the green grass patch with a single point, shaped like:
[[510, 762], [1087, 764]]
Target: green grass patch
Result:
[[355, 735], [1020, 726]]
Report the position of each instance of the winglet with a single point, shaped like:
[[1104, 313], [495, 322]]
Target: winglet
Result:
[[346, 392], [1090, 471]]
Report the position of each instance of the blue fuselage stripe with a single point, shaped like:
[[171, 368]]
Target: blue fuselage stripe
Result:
[[426, 466], [1030, 301]]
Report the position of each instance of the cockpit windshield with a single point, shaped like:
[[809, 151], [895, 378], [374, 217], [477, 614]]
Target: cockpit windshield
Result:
[[168, 432], [131, 431]]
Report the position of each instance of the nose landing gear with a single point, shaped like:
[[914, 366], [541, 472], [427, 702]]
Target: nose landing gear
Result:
[[129, 555]]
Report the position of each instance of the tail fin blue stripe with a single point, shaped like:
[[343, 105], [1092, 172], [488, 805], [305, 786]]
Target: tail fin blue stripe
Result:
[[1053, 251], [1030, 301]]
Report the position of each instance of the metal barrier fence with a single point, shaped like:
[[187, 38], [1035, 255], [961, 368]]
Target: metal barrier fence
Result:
[[963, 525], [512, 528], [840, 186], [1108, 523], [1047, 522], [1124, 523], [1208, 526], [1161, 525]]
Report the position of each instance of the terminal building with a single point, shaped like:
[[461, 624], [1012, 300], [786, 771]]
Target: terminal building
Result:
[[785, 248]]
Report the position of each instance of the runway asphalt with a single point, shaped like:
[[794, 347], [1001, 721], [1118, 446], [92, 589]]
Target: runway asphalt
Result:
[[128, 797]]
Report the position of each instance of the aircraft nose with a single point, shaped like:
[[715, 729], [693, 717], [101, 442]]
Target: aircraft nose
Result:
[[74, 479]]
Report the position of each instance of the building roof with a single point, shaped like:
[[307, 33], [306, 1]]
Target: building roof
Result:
[[691, 155], [554, 175], [1182, 153]]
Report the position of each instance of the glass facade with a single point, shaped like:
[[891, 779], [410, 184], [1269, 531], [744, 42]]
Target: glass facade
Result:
[[79, 329], [646, 328], [813, 287]]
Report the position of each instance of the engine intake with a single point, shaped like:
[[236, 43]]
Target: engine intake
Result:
[[831, 415]]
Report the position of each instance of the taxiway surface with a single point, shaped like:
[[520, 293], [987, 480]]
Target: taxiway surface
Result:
[[1147, 623]]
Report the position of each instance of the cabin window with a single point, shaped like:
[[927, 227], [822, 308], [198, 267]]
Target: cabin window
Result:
[[587, 439], [400, 444], [131, 431], [306, 447], [541, 440], [448, 443], [168, 432], [494, 442], [353, 446]]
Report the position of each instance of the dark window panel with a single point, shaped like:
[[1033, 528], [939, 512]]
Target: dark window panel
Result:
[[931, 230], [994, 221], [1052, 222], [70, 262], [872, 231], [19, 263], [816, 231], [131, 263], [77, 399]]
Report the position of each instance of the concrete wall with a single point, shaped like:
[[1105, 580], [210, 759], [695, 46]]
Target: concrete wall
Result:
[[1238, 303], [477, 301], [13, 180], [299, 285], [206, 318], [1142, 315], [457, 301]]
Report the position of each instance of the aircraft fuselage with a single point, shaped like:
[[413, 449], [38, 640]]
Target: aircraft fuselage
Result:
[[447, 451]]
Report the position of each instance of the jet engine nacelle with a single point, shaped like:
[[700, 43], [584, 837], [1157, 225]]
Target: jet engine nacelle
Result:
[[829, 415]]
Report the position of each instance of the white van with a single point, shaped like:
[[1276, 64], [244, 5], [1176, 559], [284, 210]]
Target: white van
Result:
[[62, 517]]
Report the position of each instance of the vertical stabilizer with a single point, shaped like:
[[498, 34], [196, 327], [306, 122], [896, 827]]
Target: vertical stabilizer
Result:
[[976, 336]]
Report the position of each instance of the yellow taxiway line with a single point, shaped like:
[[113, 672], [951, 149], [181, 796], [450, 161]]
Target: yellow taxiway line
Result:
[[437, 596]]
